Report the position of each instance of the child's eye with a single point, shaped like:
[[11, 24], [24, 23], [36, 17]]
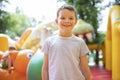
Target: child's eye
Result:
[[62, 18], [71, 18]]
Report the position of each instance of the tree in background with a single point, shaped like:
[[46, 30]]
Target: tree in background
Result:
[[90, 11], [4, 16], [18, 22], [115, 2], [14, 24]]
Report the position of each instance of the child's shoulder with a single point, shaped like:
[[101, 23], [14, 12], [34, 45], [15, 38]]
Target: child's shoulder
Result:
[[51, 38], [78, 38]]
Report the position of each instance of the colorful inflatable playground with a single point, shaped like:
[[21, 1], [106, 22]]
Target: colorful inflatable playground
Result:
[[22, 59]]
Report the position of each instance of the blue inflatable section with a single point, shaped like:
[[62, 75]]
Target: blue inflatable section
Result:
[[35, 66]]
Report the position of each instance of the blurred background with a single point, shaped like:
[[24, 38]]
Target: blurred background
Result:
[[17, 15], [25, 24]]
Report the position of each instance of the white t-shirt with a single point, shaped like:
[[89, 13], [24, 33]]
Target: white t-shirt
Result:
[[64, 57]]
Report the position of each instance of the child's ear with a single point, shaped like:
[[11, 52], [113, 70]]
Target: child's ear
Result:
[[56, 20]]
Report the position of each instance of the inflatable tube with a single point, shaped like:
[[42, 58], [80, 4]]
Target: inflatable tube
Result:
[[35, 66]]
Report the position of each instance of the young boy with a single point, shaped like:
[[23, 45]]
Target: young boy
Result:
[[65, 55]]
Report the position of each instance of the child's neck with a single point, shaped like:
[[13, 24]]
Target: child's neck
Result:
[[65, 35]]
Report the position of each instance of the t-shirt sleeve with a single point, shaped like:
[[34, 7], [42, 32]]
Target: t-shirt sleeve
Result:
[[84, 48], [45, 47]]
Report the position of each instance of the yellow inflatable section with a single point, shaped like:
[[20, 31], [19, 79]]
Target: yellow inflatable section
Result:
[[23, 37], [112, 42], [4, 45]]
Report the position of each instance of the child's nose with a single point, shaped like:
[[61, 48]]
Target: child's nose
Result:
[[67, 20]]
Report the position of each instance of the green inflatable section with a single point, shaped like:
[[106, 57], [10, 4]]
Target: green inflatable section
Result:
[[35, 66]]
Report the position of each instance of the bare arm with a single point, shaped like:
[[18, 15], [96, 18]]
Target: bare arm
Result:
[[45, 68], [85, 68]]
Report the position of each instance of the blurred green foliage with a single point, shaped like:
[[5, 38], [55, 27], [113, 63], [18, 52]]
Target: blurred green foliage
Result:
[[90, 11], [14, 24]]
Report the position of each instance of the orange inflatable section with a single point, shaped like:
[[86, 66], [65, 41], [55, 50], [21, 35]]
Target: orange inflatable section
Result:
[[20, 63]]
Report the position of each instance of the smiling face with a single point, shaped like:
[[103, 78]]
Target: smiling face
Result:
[[66, 21]]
